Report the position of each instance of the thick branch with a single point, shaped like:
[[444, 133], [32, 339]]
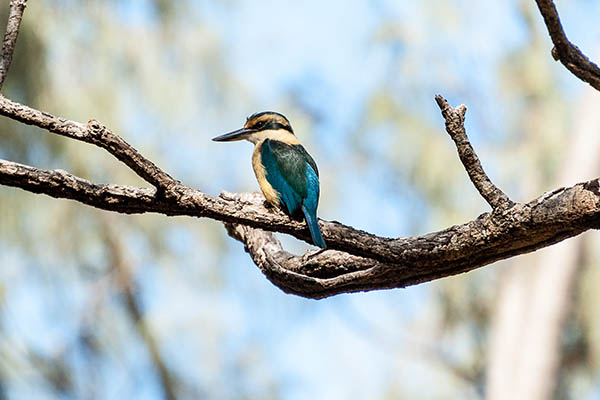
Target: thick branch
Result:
[[313, 275], [182, 200], [492, 237], [94, 133], [10, 37], [222, 208], [455, 126], [566, 52], [375, 263], [369, 262]]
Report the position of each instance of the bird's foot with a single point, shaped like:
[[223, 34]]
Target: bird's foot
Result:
[[268, 205]]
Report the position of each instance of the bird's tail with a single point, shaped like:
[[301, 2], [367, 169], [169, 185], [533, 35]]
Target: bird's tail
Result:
[[313, 226]]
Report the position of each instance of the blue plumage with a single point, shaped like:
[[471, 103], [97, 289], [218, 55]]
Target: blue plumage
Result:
[[309, 206], [288, 196], [292, 172]]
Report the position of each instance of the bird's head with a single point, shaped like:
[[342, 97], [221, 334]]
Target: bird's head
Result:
[[259, 126]]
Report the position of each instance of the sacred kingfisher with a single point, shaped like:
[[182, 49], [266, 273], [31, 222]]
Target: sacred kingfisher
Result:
[[286, 173]]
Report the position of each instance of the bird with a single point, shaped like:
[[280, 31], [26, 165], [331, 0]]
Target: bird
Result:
[[286, 173]]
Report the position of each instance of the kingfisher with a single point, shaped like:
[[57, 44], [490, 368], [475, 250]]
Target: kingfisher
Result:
[[287, 174]]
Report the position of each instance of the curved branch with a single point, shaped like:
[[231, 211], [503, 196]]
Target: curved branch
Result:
[[566, 52], [362, 261], [492, 237], [372, 262]]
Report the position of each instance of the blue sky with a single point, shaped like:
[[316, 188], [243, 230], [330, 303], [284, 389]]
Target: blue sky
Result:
[[319, 63]]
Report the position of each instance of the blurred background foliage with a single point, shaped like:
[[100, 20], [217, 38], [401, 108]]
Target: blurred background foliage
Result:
[[99, 306]]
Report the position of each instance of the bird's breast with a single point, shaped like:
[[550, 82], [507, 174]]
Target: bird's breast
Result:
[[261, 176]]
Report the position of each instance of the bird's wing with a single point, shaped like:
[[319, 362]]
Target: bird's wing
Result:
[[291, 171]]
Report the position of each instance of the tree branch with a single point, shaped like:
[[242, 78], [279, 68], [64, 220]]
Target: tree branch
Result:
[[190, 202], [491, 237], [94, 133], [183, 200], [455, 126], [566, 52], [10, 37], [372, 262], [363, 261]]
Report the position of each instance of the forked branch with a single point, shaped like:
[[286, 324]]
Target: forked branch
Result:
[[356, 260]]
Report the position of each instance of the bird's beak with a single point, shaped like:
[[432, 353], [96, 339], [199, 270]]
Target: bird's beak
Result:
[[239, 134]]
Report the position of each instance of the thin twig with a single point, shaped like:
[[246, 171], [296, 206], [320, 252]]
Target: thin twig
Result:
[[10, 37], [455, 126], [566, 52]]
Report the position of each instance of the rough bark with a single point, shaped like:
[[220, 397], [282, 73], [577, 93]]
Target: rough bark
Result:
[[523, 228], [355, 260]]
